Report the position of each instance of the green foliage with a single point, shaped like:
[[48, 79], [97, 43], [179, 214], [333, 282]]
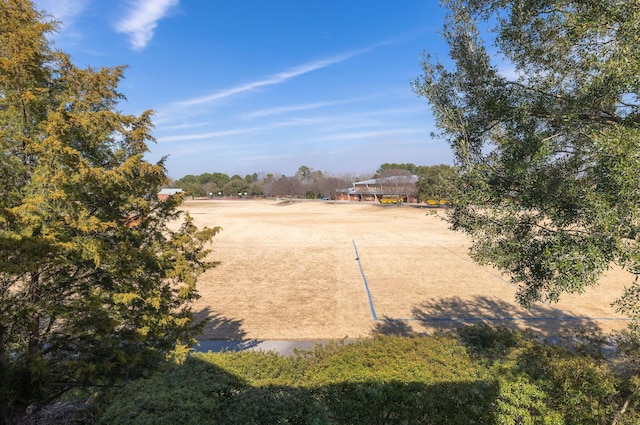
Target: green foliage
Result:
[[559, 384], [390, 380], [489, 376], [522, 402], [390, 359], [437, 182], [191, 393], [201, 391], [95, 285], [490, 342], [191, 186], [203, 184], [235, 186], [543, 383], [411, 168], [548, 156]]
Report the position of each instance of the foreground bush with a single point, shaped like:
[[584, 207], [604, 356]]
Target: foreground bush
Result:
[[485, 377]]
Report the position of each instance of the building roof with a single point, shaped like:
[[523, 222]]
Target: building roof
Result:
[[169, 191], [378, 186], [389, 180]]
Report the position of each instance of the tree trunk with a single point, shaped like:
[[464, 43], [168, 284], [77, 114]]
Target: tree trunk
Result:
[[35, 348]]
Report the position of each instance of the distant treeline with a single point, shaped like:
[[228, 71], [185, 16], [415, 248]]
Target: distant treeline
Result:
[[434, 181]]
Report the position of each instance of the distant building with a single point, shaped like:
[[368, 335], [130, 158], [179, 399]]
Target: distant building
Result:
[[373, 190], [164, 194]]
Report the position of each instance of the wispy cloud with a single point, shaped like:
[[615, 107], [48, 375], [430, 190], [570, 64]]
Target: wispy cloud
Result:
[[280, 77], [297, 108], [185, 126], [233, 131], [293, 108], [142, 20], [373, 134], [207, 135], [65, 11]]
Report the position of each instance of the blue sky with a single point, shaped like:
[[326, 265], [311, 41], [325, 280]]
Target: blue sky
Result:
[[261, 86]]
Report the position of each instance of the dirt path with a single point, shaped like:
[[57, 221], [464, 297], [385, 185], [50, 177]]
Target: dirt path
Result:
[[289, 271]]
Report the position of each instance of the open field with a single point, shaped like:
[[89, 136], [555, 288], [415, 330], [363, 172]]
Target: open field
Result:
[[289, 270]]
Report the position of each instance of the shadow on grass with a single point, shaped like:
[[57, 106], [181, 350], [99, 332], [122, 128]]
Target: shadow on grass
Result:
[[221, 333], [389, 326], [454, 312]]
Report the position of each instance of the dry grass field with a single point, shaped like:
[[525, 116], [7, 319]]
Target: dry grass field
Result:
[[323, 270]]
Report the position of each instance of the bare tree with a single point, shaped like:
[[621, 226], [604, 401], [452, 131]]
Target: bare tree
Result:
[[330, 185], [288, 186]]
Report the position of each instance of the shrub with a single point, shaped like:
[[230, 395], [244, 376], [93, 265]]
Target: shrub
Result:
[[507, 378]]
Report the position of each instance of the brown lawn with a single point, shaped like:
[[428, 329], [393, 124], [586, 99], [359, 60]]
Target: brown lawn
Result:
[[289, 271]]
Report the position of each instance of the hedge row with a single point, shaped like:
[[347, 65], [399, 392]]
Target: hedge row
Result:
[[485, 376]]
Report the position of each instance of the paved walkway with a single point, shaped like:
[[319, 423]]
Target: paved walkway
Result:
[[609, 348], [286, 348]]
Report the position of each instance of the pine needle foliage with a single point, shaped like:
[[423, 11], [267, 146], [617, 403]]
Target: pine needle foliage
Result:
[[96, 281]]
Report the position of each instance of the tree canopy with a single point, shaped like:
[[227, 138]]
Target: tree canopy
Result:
[[386, 167], [542, 113], [97, 275], [436, 182]]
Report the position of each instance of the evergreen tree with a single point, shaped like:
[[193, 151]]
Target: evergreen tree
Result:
[[549, 152], [386, 167], [436, 182], [96, 275]]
